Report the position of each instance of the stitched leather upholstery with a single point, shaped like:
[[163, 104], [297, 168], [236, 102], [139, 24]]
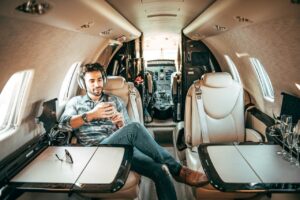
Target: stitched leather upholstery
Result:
[[224, 116], [117, 86]]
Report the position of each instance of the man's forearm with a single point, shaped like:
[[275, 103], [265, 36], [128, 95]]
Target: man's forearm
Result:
[[77, 121]]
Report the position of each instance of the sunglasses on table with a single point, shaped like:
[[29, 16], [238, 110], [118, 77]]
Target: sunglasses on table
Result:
[[68, 156]]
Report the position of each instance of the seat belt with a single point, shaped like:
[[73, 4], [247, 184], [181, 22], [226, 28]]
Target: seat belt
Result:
[[132, 99], [201, 113], [247, 108]]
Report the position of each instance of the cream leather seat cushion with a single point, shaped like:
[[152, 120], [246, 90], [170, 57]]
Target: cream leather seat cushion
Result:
[[128, 191], [223, 105], [116, 85]]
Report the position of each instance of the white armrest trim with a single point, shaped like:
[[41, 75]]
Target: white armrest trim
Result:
[[253, 136]]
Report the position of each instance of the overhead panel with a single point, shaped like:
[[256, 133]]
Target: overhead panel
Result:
[[157, 16], [224, 16], [92, 17]]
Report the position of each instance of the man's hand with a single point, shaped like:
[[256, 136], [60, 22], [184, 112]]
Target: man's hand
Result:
[[118, 120], [102, 110]]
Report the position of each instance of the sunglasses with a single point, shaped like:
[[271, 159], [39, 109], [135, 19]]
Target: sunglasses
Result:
[[68, 156]]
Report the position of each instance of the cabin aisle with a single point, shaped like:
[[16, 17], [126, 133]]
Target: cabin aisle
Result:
[[147, 187]]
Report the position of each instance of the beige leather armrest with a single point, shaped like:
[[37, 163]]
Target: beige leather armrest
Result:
[[253, 136], [179, 127]]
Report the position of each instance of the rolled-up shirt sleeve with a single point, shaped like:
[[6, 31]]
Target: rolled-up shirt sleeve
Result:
[[69, 112]]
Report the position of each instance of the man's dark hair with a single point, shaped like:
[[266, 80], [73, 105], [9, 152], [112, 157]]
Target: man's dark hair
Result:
[[90, 67]]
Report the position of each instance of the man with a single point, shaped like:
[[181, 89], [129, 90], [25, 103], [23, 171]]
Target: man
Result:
[[98, 118]]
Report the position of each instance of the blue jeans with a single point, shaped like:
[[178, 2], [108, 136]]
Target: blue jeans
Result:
[[148, 157]]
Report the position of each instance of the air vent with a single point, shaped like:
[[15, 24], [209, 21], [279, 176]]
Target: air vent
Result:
[[87, 25], [33, 7], [220, 28], [162, 15], [106, 32], [242, 19]]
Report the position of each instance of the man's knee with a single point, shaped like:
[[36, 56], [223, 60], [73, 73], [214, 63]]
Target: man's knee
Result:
[[136, 125]]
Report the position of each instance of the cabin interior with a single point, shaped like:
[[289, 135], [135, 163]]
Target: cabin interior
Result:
[[162, 48]]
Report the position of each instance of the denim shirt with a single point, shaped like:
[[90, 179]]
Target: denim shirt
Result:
[[94, 132]]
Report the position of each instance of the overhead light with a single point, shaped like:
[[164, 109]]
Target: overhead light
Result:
[[87, 25], [33, 7], [162, 15], [239, 55], [220, 28], [243, 19], [106, 32]]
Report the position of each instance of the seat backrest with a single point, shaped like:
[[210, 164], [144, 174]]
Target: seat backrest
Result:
[[176, 95], [116, 85], [175, 79], [223, 109], [149, 83]]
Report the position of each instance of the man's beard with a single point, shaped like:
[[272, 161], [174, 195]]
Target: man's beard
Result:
[[96, 92]]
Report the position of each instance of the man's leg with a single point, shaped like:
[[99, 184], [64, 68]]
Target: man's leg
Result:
[[146, 166], [138, 136]]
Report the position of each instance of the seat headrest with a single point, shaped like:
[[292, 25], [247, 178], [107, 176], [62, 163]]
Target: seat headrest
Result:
[[217, 80], [114, 83]]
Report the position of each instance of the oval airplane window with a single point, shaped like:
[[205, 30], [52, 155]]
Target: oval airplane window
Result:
[[264, 80], [66, 88], [13, 99], [233, 69]]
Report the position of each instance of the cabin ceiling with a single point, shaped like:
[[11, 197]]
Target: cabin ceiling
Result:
[[157, 16], [160, 21], [227, 15], [93, 17], [100, 18]]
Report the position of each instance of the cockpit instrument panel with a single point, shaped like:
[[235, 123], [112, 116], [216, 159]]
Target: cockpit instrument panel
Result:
[[162, 74]]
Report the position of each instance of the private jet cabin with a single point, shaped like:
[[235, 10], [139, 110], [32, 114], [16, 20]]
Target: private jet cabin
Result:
[[207, 78]]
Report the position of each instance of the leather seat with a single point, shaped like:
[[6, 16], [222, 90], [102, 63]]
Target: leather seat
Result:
[[224, 117], [176, 95], [129, 191], [149, 84], [116, 85], [148, 97]]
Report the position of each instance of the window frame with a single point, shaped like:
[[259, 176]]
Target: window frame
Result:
[[71, 76], [263, 79], [233, 70], [19, 83]]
